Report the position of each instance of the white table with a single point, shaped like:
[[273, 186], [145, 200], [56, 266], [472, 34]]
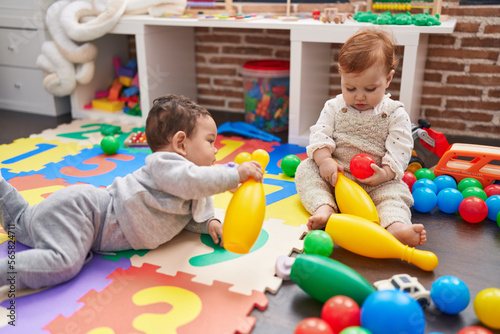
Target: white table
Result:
[[166, 62]]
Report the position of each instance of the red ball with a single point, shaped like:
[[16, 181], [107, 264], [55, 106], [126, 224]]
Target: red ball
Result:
[[492, 189], [341, 312], [474, 330], [409, 178], [473, 209], [313, 325], [361, 166]]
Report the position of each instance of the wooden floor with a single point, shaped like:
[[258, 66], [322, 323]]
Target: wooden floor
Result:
[[470, 252]]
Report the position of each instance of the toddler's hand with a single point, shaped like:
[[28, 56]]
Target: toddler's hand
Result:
[[379, 176], [250, 169], [328, 170], [215, 230]]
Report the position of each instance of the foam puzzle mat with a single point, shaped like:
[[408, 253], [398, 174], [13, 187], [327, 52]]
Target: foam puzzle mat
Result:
[[188, 285]]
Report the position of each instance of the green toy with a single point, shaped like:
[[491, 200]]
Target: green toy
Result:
[[110, 145], [368, 17], [110, 130], [426, 20], [323, 278], [318, 242], [289, 164]]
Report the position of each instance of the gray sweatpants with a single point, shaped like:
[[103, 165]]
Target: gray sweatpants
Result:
[[61, 230], [392, 199]]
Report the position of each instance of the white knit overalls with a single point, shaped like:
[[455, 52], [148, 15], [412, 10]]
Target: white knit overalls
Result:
[[357, 133]]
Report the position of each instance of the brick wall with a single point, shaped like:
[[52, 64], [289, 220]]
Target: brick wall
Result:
[[461, 92]]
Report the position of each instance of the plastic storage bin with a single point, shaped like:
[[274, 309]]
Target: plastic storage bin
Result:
[[266, 84]]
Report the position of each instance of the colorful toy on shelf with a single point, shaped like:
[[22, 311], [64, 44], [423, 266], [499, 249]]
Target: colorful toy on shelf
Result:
[[450, 294], [136, 139], [123, 95], [465, 160], [247, 130], [487, 307], [425, 20], [362, 237], [405, 5], [341, 312], [352, 199], [322, 278], [408, 284], [392, 311], [360, 166], [245, 212], [332, 14]]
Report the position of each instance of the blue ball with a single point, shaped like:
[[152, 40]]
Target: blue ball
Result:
[[424, 199], [493, 203], [449, 199], [450, 294], [391, 312], [424, 183], [444, 181]]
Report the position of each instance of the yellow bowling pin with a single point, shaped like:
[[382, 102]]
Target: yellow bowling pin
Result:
[[362, 237], [353, 200], [245, 212]]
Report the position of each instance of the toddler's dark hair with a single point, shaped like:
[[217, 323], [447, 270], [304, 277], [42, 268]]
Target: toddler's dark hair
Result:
[[170, 114]]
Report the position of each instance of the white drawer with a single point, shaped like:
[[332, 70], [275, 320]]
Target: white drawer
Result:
[[20, 47], [22, 89]]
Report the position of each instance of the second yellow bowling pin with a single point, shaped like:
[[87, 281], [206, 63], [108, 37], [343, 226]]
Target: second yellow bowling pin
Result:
[[352, 199]]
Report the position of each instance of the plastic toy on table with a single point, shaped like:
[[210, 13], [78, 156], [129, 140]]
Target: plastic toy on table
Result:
[[247, 130], [467, 160]]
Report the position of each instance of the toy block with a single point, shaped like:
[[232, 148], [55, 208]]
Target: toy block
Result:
[[117, 63], [136, 80], [107, 105], [125, 81], [101, 94], [130, 91], [127, 72], [132, 63], [114, 91]]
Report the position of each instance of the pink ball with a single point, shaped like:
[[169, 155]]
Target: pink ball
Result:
[[473, 209], [360, 166], [341, 312]]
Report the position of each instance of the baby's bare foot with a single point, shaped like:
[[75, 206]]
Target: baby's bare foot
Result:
[[320, 217], [411, 235]]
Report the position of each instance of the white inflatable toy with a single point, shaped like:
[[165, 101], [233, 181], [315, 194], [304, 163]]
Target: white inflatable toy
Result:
[[69, 58]]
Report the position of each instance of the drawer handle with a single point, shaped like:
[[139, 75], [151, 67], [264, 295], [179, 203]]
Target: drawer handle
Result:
[[17, 85]]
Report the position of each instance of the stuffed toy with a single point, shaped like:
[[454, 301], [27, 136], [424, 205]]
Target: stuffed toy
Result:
[[69, 58]]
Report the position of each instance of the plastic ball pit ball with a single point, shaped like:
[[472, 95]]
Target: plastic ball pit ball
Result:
[[355, 330], [110, 145], [445, 181], [289, 164], [392, 311], [340, 312], [475, 192], [486, 307], [493, 204], [409, 178], [424, 199], [313, 325], [425, 173], [473, 209], [424, 183], [468, 182], [449, 199], [360, 166], [450, 294], [474, 330], [492, 189], [318, 242]]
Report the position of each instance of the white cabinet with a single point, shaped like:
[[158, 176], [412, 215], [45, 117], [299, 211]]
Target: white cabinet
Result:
[[22, 32]]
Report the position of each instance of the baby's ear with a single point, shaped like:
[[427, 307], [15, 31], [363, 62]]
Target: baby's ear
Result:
[[178, 142]]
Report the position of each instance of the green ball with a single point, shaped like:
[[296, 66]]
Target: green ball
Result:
[[425, 173], [289, 164], [467, 183], [318, 242], [475, 192], [110, 145], [355, 330], [498, 219]]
